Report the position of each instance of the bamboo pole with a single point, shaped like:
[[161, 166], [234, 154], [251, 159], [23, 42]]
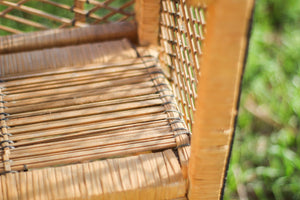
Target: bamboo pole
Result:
[[147, 17], [79, 5], [218, 90], [64, 37]]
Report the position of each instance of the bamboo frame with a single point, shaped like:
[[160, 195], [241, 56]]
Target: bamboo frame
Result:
[[147, 17], [218, 90], [72, 36]]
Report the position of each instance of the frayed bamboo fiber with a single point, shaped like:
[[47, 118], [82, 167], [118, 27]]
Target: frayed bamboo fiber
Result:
[[65, 37], [147, 176], [219, 88]]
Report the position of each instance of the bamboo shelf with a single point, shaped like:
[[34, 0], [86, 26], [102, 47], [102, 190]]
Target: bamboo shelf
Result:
[[128, 100]]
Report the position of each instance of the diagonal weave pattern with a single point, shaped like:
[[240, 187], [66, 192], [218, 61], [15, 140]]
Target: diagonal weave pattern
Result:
[[30, 15], [181, 36]]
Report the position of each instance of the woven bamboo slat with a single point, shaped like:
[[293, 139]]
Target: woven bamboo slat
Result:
[[122, 178], [93, 112]]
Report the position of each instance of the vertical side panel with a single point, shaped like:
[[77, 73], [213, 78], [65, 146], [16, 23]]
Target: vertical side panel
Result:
[[218, 91]]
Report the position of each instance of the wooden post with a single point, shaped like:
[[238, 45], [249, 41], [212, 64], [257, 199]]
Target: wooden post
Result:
[[147, 17], [79, 5], [218, 93]]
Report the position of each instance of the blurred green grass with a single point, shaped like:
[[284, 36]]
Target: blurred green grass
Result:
[[265, 163]]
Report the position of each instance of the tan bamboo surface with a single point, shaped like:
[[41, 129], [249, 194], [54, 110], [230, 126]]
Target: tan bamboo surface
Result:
[[78, 13], [146, 176], [88, 111], [219, 89], [181, 35], [72, 36], [75, 55], [147, 18]]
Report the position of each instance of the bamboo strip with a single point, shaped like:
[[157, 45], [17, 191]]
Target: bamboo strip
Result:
[[25, 21], [91, 135], [8, 9], [80, 113], [9, 29], [83, 144], [78, 128], [84, 120], [55, 91], [11, 79], [93, 154], [73, 99], [80, 134], [75, 82], [137, 98], [86, 71]]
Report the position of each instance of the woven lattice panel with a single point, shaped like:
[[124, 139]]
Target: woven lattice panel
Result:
[[181, 35], [18, 16]]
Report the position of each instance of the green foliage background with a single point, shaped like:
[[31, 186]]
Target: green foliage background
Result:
[[265, 163]]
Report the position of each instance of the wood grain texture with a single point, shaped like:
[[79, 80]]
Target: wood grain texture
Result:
[[218, 91], [147, 18]]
